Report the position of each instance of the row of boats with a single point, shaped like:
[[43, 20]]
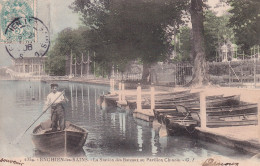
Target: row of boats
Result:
[[180, 111], [221, 111]]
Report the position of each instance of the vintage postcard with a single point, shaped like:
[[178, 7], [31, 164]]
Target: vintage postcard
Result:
[[129, 82]]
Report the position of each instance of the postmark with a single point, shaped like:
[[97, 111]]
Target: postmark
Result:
[[11, 9], [27, 37]]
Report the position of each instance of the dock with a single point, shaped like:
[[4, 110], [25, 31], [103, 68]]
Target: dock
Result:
[[239, 129], [145, 114], [242, 138]]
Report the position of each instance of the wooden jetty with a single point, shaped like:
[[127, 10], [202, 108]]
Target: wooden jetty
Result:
[[220, 110], [145, 114], [205, 115]]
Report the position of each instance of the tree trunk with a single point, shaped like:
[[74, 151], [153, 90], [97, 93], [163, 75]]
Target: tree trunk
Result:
[[200, 76], [146, 78]]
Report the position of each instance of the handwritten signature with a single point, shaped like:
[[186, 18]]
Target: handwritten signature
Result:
[[3, 160], [212, 162]]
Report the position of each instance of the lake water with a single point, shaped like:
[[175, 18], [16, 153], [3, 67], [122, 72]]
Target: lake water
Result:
[[113, 133]]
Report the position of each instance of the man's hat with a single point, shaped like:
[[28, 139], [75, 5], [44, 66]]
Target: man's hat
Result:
[[53, 85]]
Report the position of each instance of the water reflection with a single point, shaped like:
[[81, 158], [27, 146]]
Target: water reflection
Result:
[[111, 132], [153, 143], [122, 123], [139, 137]]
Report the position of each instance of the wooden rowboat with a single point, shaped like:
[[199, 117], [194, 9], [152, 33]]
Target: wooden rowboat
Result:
[[59, 143], [177, 126], [238, 115]]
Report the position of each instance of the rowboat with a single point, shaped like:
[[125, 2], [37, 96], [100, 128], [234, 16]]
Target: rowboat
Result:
[[241, 115], [238, 115], [158, 97], [182, 96], [59, 143], [176, 126], [212, 102], [189, 99]]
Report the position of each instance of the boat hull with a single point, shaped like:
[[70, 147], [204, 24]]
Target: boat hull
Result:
[[60, 143], [176, 127]]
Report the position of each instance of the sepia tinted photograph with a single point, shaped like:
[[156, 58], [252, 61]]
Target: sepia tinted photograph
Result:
[[130, 82]]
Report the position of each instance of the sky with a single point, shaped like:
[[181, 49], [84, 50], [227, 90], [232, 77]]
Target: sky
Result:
[[57, 17], [62, 16]]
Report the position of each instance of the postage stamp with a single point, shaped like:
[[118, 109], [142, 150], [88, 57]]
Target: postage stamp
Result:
[[27, 37], [11, 9]]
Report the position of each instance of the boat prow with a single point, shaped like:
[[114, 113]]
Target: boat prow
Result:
[[59, 143]]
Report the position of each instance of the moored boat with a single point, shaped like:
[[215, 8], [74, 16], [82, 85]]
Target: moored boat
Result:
[[180, 126], [59, 143]]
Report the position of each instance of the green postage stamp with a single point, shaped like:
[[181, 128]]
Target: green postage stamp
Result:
[[11, 10], [23, 34]]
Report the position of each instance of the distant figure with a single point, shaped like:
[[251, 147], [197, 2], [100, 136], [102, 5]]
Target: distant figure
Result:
[[57, 108]]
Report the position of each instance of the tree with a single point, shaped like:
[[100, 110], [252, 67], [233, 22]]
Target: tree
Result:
[[200, 76], [129, 30], [134, 29], [67, 41], [245, 21]]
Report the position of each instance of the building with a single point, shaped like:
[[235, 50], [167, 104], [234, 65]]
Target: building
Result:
[[31, 65]]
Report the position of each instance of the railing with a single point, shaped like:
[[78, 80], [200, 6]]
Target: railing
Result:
[[175, 74], [235, 73]]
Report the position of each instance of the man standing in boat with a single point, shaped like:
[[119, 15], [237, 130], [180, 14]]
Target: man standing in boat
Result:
[[57, 108]]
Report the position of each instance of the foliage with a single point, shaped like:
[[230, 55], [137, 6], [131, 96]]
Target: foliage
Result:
[[245, 21], [67, 41], [126, 30], [216, 33], [184, 48]]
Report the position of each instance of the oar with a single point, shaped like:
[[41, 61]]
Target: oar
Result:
[[21, 135]]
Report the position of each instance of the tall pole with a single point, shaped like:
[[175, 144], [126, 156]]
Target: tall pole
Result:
[[117, 72], [229, 73], [39, 69], [254, 67], [71, 63], [81, 65], [255, 72], [113, 71], [120, 91], [226, 53], [254, 51], [88, 65], [251, 52], [123, 91], [203, 114], [94, 65], [258, 51], [75, 65], [32, 66]]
